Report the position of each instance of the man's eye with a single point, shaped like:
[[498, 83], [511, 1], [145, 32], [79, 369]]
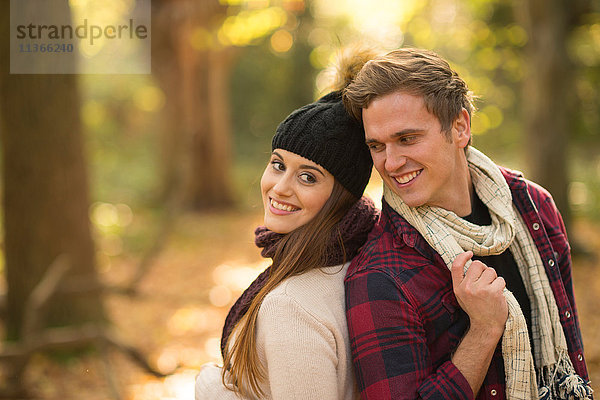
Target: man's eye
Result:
[[376, 147]]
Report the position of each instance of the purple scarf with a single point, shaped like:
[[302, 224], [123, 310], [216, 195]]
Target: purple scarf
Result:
[[354, 228]]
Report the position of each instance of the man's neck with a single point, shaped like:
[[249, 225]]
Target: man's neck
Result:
[[461, 199], [465, 200]]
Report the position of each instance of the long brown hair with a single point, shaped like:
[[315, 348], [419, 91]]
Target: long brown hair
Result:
[[301, 250]]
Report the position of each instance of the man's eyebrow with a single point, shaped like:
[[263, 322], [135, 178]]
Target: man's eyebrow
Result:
[[407, 131], [396, 134]]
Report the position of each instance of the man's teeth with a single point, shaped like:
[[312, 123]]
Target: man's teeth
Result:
[[408, 177], [282, 207]]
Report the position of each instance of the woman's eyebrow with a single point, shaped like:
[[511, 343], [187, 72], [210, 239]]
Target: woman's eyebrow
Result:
[[303, 166]]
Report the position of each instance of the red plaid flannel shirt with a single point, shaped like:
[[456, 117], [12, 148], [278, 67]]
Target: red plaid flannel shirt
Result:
[[404, 320]]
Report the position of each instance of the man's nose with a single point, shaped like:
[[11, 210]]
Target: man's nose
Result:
[[394, 160]]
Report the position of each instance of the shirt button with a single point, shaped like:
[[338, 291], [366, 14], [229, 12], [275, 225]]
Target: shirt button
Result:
[[551, 263], [567, 314], [536, 226], [493, 392], [580, 357]]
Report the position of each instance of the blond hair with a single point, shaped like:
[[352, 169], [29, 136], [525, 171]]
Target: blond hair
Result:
[[413, 71]]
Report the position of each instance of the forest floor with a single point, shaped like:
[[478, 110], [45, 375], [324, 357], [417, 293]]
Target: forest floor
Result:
[[176, 319]]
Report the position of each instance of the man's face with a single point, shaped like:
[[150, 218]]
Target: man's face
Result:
[[419, 162]]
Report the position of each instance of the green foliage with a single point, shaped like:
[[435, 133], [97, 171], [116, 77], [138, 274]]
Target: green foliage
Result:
[[121, 125], [584, 50], [121, 122], [265, 89]]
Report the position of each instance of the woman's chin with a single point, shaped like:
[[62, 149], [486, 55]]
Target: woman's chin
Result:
[[278, 226]]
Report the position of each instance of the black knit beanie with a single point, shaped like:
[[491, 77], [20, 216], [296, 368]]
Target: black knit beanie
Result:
[[326, 134]]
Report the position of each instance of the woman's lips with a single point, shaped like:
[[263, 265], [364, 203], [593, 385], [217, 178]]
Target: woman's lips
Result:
[[281, 208]]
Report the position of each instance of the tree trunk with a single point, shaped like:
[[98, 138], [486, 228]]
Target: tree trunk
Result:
[[208, 185], [196, 155], [548, 93], [45, 187]]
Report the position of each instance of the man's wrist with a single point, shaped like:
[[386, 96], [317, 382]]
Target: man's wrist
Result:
[[474, 353], [485, 333]]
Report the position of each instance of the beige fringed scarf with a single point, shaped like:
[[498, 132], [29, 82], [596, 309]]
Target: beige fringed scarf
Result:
[[450, 235]]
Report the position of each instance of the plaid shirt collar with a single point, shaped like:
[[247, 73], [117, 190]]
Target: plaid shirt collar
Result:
[[403, 232]]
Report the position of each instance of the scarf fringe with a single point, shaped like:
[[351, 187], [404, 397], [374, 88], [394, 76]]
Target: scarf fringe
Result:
[[561, 382]]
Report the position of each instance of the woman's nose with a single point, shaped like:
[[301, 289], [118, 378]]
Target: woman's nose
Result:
[[283, 186]]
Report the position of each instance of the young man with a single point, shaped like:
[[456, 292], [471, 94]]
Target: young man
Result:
[[427, 309]]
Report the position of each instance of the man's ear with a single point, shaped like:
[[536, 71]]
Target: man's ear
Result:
[[462, 128]]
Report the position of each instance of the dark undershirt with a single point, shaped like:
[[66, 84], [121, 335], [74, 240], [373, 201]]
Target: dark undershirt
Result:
[[503, 263]]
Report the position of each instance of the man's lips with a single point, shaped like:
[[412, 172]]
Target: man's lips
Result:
[[406, 178]]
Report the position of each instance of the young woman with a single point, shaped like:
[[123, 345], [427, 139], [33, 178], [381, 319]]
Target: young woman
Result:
[[286, 337]]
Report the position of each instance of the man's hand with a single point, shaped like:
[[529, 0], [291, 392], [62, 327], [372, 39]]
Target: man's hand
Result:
[[479, 294]]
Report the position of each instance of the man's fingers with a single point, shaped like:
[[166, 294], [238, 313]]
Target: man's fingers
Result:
[[498, 284], [488, 275], [458, 266]]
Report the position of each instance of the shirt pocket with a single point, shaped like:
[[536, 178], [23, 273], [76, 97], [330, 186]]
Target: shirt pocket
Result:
[[447, 325]]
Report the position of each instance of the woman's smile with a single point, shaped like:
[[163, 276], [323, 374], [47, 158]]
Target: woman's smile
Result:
[[282, 207]]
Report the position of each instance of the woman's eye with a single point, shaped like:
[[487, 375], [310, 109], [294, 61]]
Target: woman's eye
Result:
[[307, 178], [278, 165]]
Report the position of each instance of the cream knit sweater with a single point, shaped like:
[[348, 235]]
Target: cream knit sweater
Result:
[[302, 342]]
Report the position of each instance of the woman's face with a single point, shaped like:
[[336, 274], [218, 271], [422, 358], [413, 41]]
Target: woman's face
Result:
[[294, 189]]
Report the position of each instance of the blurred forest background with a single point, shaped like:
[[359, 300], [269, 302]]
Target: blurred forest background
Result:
[[129, 201]]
